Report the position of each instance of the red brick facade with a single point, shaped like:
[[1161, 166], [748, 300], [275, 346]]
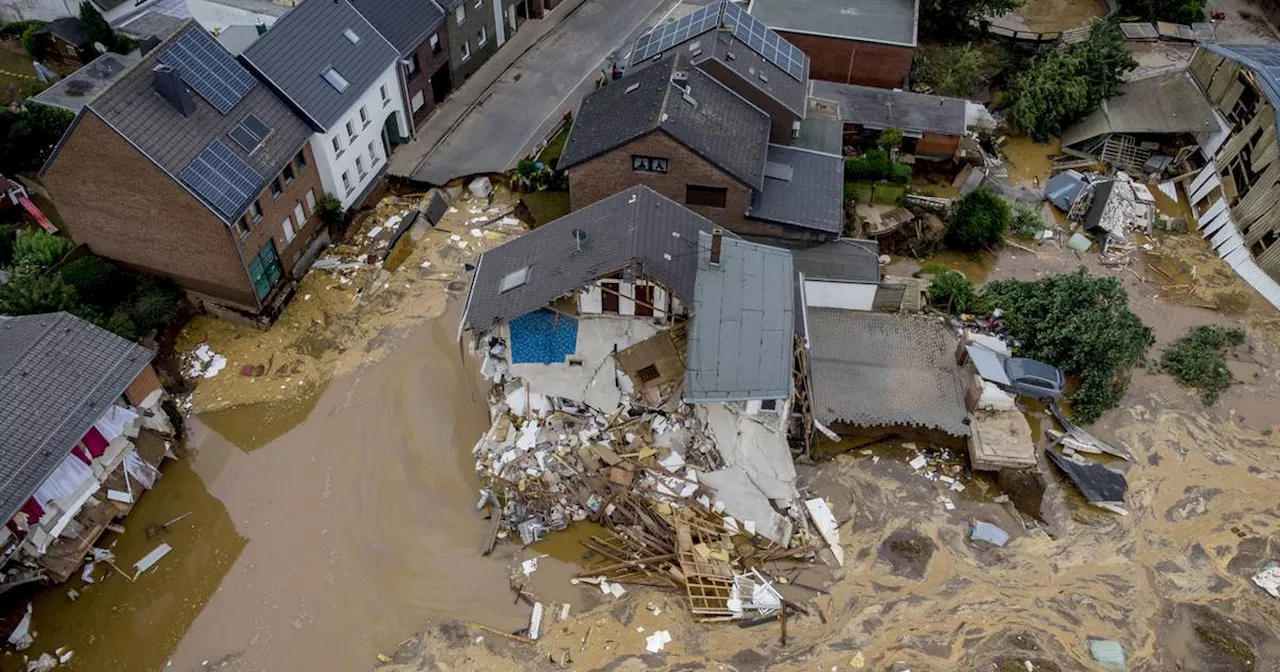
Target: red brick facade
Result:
[[432, 64], [124, 207], [611, 173], [146, 383], [852, 62]]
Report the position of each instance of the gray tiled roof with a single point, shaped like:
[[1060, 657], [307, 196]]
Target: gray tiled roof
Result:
[[299, 48], [719, 126], [882, 108], [822, 135], [68, 28], [885, 370], [634, 228], [812, 199], [152, 24], [58, 374], [405, 23], [886, 21], [149, 122], [741, 339], [841, 260]]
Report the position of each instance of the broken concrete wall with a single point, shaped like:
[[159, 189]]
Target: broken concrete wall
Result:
[[747, 503], [762, 453]]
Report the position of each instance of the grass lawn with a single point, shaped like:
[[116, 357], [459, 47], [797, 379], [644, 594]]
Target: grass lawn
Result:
[[546, 206], [870, 192], [555, 146], [13, 59]]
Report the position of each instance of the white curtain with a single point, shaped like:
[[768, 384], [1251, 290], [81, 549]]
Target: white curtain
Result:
[[140, 471], [112, 423], [68, 478]]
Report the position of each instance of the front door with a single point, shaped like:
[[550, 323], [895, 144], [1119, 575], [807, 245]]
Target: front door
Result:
[[441, 85], [609, 300], [644, 300]]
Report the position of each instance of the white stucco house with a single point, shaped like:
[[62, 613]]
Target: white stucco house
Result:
[[342, 76]]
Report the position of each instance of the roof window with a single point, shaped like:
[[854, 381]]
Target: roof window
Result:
[[514, 279], [336, 80], [351, 36], [249, 133]]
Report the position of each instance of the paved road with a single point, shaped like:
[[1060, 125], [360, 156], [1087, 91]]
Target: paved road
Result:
[[541, 84]]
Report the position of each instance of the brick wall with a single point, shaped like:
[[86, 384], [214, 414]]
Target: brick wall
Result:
[[429, 66], [782, 118], [120, 204], [938, 145], [144, 384], [852, 62], [274, 210], [611, 173]]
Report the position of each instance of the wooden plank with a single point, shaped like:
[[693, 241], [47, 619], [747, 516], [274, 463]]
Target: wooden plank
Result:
[[1203, 65], [1227, 74]]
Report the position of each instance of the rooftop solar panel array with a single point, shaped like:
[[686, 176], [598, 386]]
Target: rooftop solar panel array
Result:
[[223, 179], [206, 67], [745, 27]]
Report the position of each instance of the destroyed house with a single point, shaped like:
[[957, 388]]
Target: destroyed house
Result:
[[74, 454], [728, 44], [1234, 197], [186, 167], [931, 126], [677, 130]]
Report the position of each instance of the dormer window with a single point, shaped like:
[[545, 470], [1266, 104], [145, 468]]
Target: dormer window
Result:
[[337, 81]]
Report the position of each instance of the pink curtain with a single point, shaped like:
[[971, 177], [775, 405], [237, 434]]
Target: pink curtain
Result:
[[34, 513], [80, 452], [95, 442]]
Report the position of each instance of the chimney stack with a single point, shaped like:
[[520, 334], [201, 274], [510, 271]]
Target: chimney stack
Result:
[[148, 43], [169, 85], [717, 239]]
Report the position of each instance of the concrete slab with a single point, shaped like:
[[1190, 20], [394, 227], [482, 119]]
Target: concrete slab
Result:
[[595, 382], [760, 452], [744, 501]]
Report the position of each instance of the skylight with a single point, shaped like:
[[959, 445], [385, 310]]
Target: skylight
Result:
[[336, 80], [249, 133], [351, 36], [514, 279]]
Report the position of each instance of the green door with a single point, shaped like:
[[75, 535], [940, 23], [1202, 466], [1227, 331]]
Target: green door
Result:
[[265, 270]]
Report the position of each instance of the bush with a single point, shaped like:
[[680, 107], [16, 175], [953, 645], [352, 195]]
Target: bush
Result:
[[330, 209], [980, 219], [31, 42], [28, 136], [97, 281], [32, 293], [16, 29], [153, 305], [954, 293], [7, 236], [120, 324], [39, 248], [1174, 11], [1027, 221], [875, 165], [1080, 324], [1198, 360]]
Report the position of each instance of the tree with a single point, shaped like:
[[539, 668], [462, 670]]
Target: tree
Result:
[[39, 249], [952, 70], [890, 139], [954, 293], [979, 220], [1198, 360], [29, 293], [1174, 11], [1061, 86], [1081, 324], [947, 20], [7, 236], [96, 28], [28, 136]]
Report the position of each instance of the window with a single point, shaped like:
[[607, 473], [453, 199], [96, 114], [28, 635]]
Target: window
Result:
[[351, 36], [482, 36], [711, 197], [287, 225], [351, 130], [288, 175], [649, 164], [647, 374], [360, 166], [373, 155], [414, 66], [337, 146], [264, 270], [249, 133], [460, 14], [337, 81], [275, 188], [385, 98], [242, 227], [769, 404], [311, 201], [364, 117], [514, 279], [466, 50], [435, 44], [299, 216], [419, 99], [301, 160], [257, 212], [478, 3], [346, 181]]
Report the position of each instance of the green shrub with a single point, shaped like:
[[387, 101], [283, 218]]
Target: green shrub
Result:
[[1198, 360], [330, 209], [980, 219], [16, 29], [1173, 11], [1027, 221], [120, 324], [39, 248], [1081, 324], [7, 236], [890, 139], [28, 136], [876, 165], [951, 71], [153, 305], [31, 42], [97, 281], [954, 293], [32, 293]]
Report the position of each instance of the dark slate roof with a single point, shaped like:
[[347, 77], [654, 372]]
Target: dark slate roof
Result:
[[720, 126], [405, 23], [883, 108], [822, 135], [58, 374], [296, 51], [635, 228], [741, 339], [68, 28], [135, 110], [813, 197], [885, 21], [841, 260], [885, 370]]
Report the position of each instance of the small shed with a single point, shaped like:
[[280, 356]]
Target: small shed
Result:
[[1065, 188], [844, 273], [65, 38]]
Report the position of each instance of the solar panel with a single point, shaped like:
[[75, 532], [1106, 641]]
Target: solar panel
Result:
[[206, 67], [223, 179], [745, 27]]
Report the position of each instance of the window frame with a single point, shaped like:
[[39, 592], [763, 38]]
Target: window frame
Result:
[[365, 119], [256, 209], [434, 41], [242, 226], [460, 14], [465, 49], [287, 173], [276, 188], [647, 164], [300, 160], [346, 181], [415, 66], [482, 36], [708, 191]]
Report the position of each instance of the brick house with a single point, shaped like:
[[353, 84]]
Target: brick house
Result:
[[727, 44], [674, 129], [81, 410], [866, 42], [206, 179], [477, 29], [415, 28]]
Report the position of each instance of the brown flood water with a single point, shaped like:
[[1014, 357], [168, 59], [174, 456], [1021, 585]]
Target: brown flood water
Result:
[[320, 536]]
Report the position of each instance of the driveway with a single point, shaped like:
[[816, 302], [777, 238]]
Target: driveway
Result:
[[543, 83]]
